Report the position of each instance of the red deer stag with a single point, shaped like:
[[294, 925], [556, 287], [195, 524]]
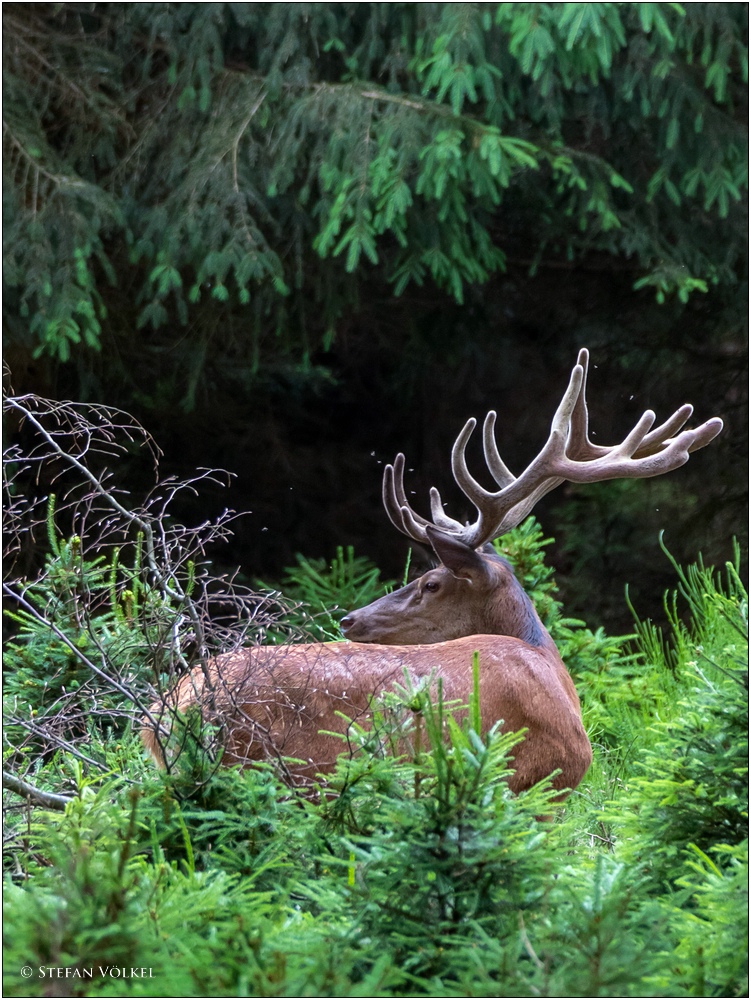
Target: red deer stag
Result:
[[286, 701]]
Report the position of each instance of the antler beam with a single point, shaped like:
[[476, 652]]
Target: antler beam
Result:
[[567, 456]]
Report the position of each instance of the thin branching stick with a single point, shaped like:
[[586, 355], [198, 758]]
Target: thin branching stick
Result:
[[37, 797]]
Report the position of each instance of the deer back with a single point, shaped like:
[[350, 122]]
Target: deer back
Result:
[[285, 702]]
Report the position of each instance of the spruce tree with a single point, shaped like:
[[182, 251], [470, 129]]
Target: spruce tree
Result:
[[242, 169]]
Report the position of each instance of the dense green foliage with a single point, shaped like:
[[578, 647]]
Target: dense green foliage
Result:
[[347, 582], [415, 876], [232, 166]]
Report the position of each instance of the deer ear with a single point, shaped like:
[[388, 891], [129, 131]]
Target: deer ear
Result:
[[460, 559]]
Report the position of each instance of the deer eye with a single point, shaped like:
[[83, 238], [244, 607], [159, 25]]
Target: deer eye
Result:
[[432, 587]]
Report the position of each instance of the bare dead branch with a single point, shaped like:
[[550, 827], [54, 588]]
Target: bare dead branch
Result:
[[37, 797]]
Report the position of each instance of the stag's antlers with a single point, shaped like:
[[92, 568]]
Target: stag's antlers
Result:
[[568, 455]]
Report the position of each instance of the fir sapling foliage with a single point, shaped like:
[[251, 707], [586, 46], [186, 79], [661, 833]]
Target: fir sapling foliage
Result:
[[414, 871]]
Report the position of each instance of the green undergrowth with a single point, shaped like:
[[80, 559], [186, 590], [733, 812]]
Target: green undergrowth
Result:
[[322, 592], [412, 875]]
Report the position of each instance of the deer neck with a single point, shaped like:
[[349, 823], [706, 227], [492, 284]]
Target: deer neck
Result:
[[514, 615]]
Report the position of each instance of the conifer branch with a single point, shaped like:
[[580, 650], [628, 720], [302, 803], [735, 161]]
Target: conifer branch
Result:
[[238, 137], [57, 179]]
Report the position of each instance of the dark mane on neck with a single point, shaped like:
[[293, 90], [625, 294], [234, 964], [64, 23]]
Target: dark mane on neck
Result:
[[527, 624]]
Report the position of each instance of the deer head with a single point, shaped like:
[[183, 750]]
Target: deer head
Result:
[[470, 593], [473, 591]]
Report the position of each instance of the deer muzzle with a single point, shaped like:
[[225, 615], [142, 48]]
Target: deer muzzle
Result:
[[354, 627]]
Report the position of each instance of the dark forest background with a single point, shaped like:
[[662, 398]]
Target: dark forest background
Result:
[[294, 239]]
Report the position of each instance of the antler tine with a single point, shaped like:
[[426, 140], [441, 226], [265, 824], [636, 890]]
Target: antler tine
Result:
[[579, 446], [704, 433], [656, 439], [484, 501], [560, 426], [507, 508], [659, 439], [395, 502], [634, 439], [462, 476], [496, 466], [440, 517]]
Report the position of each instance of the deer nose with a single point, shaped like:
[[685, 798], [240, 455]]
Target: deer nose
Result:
[[352, 626]]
